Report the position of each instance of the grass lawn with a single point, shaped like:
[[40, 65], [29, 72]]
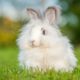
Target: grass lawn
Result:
[[9, 69]]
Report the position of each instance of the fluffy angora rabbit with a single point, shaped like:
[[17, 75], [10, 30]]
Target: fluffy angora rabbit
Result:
[[42, 45]]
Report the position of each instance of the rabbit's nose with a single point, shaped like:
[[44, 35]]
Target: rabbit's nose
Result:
[[32, 42]]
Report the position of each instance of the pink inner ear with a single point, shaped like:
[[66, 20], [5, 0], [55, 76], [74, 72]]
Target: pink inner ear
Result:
[[53, 10], [33, 13], [51, 14]]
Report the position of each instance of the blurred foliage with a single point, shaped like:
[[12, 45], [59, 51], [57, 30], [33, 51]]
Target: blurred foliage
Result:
[[73, 32], [8, 31]]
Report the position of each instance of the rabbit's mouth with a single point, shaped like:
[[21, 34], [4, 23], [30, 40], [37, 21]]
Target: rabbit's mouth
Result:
[[34, 46], [39, 46]]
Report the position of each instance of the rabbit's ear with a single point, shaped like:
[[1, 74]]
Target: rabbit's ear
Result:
[[32, 13], [52, 14]]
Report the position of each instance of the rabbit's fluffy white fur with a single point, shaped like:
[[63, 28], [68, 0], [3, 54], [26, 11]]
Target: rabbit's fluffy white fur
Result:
[[42, 45]]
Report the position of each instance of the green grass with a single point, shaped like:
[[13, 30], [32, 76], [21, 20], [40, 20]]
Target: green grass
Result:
[[9, 69]]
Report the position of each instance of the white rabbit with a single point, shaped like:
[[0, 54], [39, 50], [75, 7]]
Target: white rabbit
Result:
[[42, 45]]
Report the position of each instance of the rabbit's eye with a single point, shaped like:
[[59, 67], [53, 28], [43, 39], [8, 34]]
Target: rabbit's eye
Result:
[[43, 31]]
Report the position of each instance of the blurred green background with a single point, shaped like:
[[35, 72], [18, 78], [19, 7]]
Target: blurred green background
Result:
[[13, 17]]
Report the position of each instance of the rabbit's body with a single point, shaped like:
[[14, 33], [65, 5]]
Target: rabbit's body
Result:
[[50, 49]]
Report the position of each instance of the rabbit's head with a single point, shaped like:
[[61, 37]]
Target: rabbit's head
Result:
[[43, 31]]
